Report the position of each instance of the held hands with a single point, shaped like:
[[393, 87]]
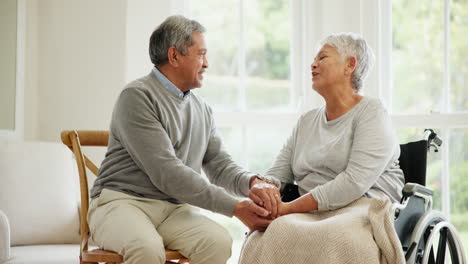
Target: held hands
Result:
[[266, 205], [252, 215], [268, 196]]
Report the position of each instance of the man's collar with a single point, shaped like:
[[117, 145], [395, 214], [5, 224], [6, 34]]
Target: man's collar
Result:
[[168, 84]]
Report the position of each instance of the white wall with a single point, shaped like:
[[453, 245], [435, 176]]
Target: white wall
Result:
[[143, 16], [75, 65], [79, 55], [31, 84]]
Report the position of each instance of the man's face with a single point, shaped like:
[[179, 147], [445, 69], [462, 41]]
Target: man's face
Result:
[[193, 64]]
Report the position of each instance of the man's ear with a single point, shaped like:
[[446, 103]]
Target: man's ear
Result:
[[173, 56], [351, 63]]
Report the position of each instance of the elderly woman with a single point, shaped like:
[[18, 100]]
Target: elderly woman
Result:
[[341, 151], [347, 148]]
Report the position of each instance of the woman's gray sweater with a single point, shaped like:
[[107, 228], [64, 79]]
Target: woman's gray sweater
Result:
[[341, 160]]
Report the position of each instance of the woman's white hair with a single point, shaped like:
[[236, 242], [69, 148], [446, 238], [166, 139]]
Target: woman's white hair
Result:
[[350, 44]]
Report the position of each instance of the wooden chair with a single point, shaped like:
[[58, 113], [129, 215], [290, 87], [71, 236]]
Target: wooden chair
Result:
[[74, 140]]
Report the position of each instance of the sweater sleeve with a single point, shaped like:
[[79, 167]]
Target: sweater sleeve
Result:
[[221, 169], [282, 167], [141, 133], [371, 151]]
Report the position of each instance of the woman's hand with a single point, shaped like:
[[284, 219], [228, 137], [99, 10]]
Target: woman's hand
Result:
[[266, 195], [284, 209], [303, 204]]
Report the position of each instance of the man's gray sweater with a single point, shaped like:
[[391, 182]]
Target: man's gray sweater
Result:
[[158, 144]]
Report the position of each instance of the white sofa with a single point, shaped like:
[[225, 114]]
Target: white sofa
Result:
[[39, 204]]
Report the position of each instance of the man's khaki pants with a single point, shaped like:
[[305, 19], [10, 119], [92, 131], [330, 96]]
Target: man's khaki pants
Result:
[[140, 229]]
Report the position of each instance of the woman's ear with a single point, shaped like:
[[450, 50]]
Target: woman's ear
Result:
[[173, 56], [351, 63]]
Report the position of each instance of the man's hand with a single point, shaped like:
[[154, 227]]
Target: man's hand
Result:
[[252, 215], [266, 195]]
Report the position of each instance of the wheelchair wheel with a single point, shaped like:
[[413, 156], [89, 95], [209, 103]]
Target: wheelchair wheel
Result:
[[433, 228]]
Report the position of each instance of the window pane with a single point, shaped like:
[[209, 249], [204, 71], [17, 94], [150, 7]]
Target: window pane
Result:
[[434, 162], [418, 55], [232, 141], [458, 158], [220, 86], [267, 65], [264, 144], [267, 84], [459, 55]]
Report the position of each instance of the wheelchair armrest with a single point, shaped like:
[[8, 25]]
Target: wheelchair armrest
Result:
[[289, 192], [4, 238], [416, 200], [411, 189]]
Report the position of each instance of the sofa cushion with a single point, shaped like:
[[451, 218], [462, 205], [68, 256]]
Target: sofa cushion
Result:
[[39, 192], [4, 237], [47, 254]]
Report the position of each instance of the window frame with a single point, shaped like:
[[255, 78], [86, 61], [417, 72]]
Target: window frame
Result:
[[443, 119]]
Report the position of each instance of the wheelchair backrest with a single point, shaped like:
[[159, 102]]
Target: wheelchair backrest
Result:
[[413, 161]]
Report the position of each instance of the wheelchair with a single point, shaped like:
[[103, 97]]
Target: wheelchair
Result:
[[417, 225]]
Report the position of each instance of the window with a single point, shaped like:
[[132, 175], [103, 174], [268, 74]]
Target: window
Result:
[[249, 52], [430, 69], [249, 75]]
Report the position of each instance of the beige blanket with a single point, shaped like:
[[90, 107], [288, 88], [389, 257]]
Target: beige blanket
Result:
[[362, 232]]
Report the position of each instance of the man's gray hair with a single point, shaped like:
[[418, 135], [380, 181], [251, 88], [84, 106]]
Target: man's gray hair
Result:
[[351, 44], [174, 31]]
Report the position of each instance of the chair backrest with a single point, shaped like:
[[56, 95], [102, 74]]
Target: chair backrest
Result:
[[413, 161], [74, 140]]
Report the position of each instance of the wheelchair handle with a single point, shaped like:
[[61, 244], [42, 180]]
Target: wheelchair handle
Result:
[[432, 138]]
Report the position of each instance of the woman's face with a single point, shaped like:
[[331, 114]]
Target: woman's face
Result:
[[327, 69]]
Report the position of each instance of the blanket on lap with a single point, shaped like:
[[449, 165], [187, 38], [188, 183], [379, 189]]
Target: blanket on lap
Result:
[[361, 232]]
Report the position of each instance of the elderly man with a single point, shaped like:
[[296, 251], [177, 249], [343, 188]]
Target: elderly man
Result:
[[150, 184]]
